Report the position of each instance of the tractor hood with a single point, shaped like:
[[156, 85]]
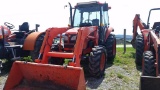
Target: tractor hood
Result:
[[72, 31]]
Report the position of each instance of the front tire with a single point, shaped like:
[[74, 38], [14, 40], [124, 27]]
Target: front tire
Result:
[[149, 64], [97, 61]]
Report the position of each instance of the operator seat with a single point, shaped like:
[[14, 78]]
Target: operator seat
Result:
[[24, 27], [95, 22]]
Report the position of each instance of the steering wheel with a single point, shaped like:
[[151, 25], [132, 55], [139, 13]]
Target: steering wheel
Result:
[[88, 20], [9, 25]]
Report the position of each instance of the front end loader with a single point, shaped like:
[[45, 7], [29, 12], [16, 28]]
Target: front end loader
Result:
[[66, 50]]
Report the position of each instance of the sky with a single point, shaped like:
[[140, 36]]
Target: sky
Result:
[[51, 13]]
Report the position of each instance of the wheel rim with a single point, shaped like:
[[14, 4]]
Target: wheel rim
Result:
[[102, 62]]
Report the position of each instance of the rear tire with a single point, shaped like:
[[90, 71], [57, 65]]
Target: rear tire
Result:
[[111, 47], [97, 61], [149, 64], [35, 53], [139, 50]]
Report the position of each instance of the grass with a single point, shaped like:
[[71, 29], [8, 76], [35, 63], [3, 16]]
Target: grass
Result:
[[125, 59]]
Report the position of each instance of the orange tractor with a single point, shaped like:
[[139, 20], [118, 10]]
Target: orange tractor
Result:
[[12, 42], [64, 52], [147, 51], [139, 41]]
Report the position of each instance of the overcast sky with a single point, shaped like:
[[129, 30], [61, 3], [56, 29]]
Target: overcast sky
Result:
[[51, 13]]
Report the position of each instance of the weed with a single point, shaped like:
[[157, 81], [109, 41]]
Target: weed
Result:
[[126, 79], [111, 74], [120, 76], [28, 59], [4, 60]]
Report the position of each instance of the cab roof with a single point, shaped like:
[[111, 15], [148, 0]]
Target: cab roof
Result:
[[92, 4]]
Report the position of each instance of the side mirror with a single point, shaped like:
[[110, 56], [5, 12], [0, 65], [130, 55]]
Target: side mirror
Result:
[[37, 25], [109, 7], [65, 6]]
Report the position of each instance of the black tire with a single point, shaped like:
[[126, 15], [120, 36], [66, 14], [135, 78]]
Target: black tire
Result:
[[139, 50], [95, 61], [2, 50], [111, 46], [149, 64], [35, 53], [56, 61]]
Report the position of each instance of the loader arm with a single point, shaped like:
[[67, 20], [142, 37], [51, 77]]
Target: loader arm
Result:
[[137, 23], [79, 46], [51, 33]]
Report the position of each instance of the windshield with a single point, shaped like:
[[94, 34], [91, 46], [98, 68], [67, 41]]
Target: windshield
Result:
[[86, 15]]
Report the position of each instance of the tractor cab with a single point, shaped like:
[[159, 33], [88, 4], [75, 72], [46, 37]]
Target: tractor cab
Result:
[[87, 14], [90, 14]]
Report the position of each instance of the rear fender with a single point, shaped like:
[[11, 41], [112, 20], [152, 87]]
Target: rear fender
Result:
[[110, 29], [30, 40]]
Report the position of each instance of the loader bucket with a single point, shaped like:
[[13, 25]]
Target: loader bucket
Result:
[[149, 83], [36, 76]]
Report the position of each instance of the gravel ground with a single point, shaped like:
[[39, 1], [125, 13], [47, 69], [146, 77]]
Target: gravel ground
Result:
[[3, 78], [116, 78]]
